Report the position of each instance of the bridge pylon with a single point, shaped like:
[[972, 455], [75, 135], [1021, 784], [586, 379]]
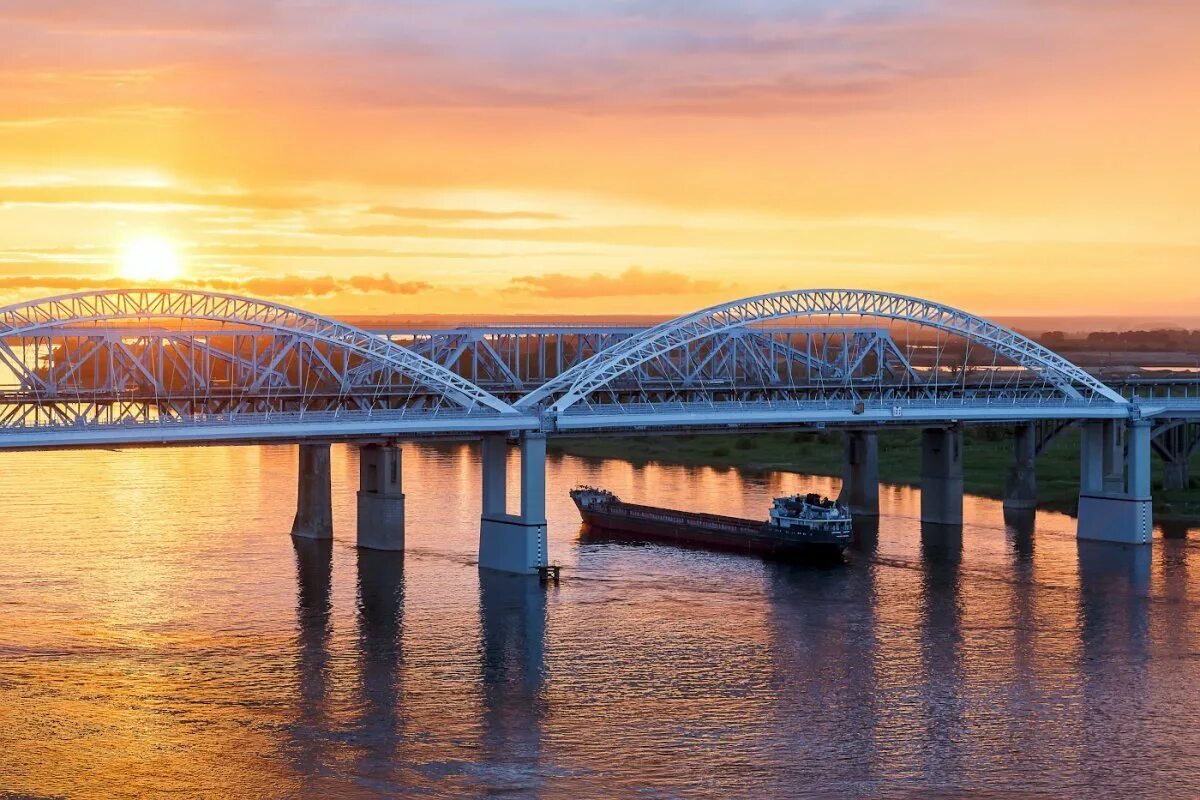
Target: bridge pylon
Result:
[[1175, 441], [314, 503], [942, 476], [1020, 484], [1114, 483], [513, 542], [860, 473], [380, 498]]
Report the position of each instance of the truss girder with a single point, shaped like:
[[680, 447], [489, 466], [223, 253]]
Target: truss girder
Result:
[[121, 358], [42, 317], [581, 381]]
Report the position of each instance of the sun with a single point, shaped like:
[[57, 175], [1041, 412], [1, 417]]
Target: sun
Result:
[[150, 258]]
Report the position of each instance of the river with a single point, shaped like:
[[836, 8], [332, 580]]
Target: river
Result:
[[162, 634]]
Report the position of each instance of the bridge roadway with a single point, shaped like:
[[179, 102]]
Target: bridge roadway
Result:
[[154, 368]]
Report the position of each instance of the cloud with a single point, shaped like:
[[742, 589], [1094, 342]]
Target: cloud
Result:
[[15, 257], [602, 57], [504, 92], [461, 214], [60, 282], [81, 194], [785, 95], [385, 284], [633, 281], [315, 286], [161, 15], [640, 235], [266, 286], [75, 194]]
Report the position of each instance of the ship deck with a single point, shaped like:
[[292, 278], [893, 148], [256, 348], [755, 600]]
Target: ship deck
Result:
[[667, 515]]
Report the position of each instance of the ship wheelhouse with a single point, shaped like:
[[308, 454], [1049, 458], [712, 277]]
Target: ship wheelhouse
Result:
[[810, 514], [588, 497]]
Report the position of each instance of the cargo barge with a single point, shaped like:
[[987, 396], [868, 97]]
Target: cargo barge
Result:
[[799, 526]]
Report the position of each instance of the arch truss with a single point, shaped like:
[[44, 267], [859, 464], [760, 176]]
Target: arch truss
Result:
[[856, 348], [510, 360], [103, 357]]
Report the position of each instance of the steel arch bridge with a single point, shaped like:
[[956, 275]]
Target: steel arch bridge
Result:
[[1015, 378], [148, 366], [117, 365]]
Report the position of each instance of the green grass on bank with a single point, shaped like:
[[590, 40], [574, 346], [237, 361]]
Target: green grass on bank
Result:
[[987, 457]]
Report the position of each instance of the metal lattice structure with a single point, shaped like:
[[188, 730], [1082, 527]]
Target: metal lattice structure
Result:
[[135, 367], [1019, 371], [127, 356], [1176, 440], [510, 360]]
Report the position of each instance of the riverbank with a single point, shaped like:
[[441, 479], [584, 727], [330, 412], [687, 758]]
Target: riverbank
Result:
[[988, 454]]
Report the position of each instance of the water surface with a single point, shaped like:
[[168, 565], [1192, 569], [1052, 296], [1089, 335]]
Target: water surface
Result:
[[161, 634]]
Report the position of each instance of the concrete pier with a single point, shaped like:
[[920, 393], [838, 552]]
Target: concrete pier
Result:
[[860, 473], [1112, 460], [1176, 475], [942, 476], [1176, 451], [1114, 488], [513, 542], [380, 498], [1020, 485], [314, 507]]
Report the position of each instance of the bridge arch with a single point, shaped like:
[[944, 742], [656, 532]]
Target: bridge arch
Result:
[[577, 383], [45, 316]]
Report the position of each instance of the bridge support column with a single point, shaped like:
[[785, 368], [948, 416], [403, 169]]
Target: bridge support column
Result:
[[1020, 486], [860, 473], [380, 498], [1112, 456], [1176, 474], [1176, 452], [314, 506], [513, 542], [1114, 491], [942, 476]]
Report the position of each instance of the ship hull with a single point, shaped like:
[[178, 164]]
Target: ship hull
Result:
[[698, 531]]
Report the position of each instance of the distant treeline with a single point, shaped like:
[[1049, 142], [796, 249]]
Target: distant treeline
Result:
[[1162, 340]]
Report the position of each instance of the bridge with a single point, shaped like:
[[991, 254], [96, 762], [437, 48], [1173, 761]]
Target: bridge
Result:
[[173, 368]]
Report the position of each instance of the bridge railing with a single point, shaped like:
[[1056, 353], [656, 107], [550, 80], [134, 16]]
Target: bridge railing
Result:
[[253, 418], [1164, 388]]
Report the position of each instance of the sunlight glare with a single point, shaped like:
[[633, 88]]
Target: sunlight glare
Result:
[[150, 258]]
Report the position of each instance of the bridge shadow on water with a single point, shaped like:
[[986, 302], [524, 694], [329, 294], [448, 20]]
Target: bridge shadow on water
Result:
[[379, 724], [887, 691], [307, 748], [375, 730], [914, 668], [1019, 525], [512, 612], [322, 733]]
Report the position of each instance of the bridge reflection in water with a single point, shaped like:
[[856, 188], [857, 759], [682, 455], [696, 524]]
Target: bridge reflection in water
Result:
[[371, 725], [380, 702], [309, 750]]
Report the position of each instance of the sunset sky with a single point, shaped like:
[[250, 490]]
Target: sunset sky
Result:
[[479, 156]]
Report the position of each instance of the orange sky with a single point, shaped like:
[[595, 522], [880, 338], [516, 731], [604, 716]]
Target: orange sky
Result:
[[377, 156]]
